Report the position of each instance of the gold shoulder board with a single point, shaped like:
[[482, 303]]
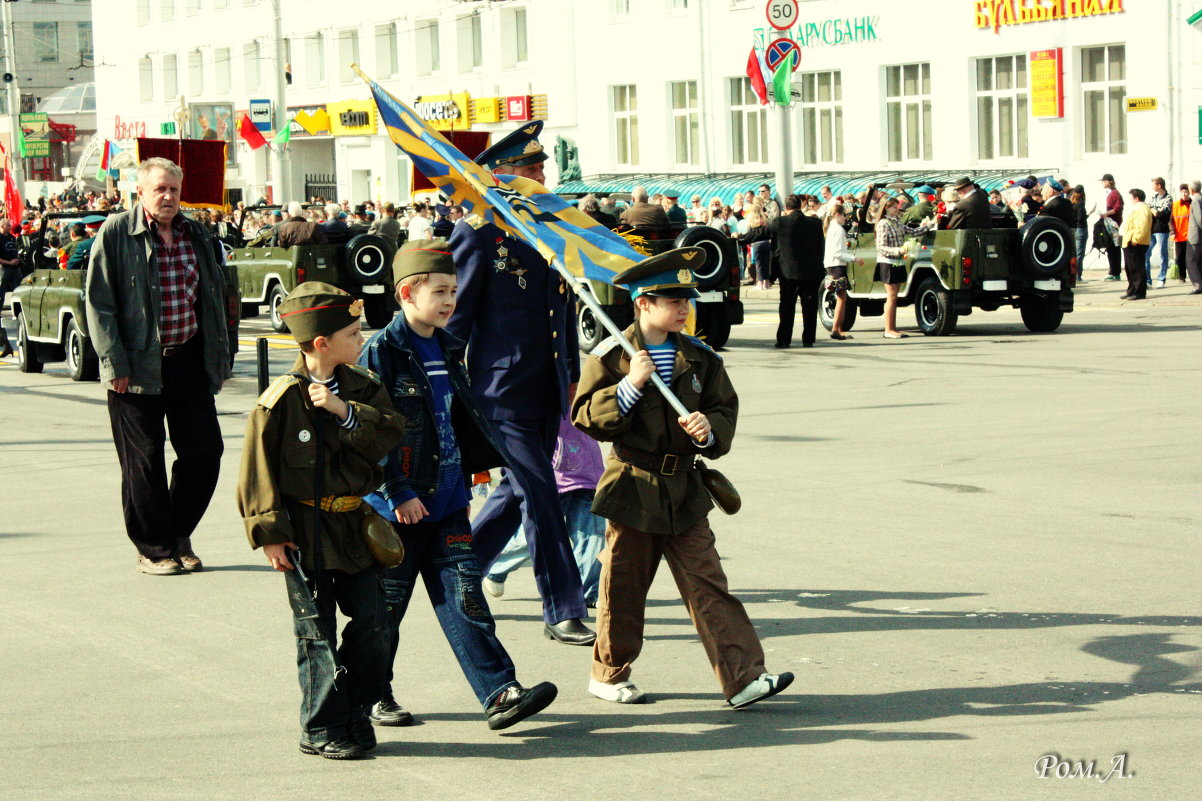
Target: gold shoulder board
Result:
[[363, 371], [276, 390]]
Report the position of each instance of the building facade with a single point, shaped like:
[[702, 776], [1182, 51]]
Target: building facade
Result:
[[659, 87]]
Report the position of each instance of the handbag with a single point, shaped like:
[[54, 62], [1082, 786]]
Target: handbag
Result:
[[725, 496], [381, 539]]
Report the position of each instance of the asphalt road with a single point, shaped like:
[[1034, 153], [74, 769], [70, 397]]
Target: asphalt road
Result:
[[973, 551]]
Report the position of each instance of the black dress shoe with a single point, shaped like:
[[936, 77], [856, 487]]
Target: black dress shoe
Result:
[[570, 631], [362, 734], [341, 748], [780, 346], [8, 351], [389, 713], [518, 703]]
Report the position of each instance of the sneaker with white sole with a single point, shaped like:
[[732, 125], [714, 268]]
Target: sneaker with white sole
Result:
[[766, 686], [494, 588], [624, 692]]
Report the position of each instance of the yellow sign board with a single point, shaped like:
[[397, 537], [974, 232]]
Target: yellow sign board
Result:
[[444, 112], [1141, 104], [1047, 83], [999, 13], [352, 117], [486, 109]]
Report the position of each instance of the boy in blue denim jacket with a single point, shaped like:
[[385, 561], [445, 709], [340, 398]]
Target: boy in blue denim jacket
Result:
[[426, 479]]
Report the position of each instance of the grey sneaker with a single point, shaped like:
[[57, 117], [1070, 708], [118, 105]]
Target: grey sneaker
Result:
[[766, 686], [158, 567]]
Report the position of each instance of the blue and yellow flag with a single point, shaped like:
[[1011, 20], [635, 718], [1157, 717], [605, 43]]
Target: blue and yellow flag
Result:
[[523, 208]]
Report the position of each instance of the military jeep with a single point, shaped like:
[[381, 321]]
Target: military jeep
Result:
[[951, 273], [52, 324]]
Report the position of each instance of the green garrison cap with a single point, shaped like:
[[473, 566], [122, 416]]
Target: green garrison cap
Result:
[[418, 256], [520, 148], [315, 309], [668, 275]]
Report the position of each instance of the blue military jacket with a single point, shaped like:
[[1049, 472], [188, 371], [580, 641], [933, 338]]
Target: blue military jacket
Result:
[[518, 317]]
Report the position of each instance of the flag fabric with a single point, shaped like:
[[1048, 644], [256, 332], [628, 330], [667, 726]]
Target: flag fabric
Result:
[[104, 156], [782, 81], [521, 207], [20, 141], [13, 206], [283, 136], [756, 69], [248, 131]]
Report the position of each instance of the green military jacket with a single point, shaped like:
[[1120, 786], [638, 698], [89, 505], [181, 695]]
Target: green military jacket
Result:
[[633, 496], [280, 454], [917, 213]]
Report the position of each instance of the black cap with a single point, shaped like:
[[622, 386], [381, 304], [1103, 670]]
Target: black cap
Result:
[[1108, 177]]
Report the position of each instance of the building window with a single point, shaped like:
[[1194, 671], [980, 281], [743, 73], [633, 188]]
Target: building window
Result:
[[221, 68], [251, 70], [678, 5], [513, 37], [1002, 107], [83, 35], [221, 3], [471, 44], [822, 117], [170, 77], [619, 9], [626, 123], [429, 59], [748, 124], [143, 12], [348, 53], [193, 7], [167, 9], [315, 58], [45, 42], [386, 50], [145, 78], [686, 125], [908, 111], [1104, 91], [196, 73]]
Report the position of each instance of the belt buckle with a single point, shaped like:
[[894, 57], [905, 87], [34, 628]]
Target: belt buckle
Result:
[[170, 350], [668, 468]]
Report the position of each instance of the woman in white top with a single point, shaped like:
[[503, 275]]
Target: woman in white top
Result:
[[835, 259], [419, 224]]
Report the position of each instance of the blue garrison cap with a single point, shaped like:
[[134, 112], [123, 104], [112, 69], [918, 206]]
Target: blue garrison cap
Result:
[[923, 190], [518, 149], [1052, 182], [668, 275]]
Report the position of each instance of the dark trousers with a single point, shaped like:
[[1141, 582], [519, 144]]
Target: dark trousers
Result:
[[1113, 254], [339, 683], [158, 514], [808, 291], [1193, 265], [1133, 256], [441, 554], [528, 496], [1179, 252]]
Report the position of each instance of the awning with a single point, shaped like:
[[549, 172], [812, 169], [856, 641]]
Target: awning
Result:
[[726, 186], [1197, 15]]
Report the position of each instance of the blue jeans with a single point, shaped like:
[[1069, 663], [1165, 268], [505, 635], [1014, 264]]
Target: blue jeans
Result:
[[587, 533], [331, 704], [1082, 235], [442, 553], [1159, 242]]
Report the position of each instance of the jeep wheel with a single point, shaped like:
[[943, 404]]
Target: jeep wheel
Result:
[[713, 326], [826, 309], [933, 308], [368, 259], [274, 298], [82, 363], [377, 311], [27, 357], [1046, 245], [589, 330], [1041, 313]]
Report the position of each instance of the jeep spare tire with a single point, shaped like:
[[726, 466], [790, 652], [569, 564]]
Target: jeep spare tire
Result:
[[720, 254], [1047, 245], [369, 259]]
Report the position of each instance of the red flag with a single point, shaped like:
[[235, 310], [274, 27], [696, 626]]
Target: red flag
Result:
[[755, 71], [12, 199], [104, 156], [248, 131]]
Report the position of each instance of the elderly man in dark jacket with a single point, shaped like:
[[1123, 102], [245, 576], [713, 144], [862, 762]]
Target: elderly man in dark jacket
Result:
[[799, 244], [972, 209]]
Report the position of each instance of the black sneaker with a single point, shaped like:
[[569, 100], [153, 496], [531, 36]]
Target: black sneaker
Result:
[[387, 712], [340, 748], [518, 703]]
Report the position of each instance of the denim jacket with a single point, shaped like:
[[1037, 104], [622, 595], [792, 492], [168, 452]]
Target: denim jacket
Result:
[[412, 466]]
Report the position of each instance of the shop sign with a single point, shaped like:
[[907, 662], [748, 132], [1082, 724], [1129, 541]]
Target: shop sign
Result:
[[996, 13], [352, 117], [485, 109], [308, 121], [1047, 83], [444, 112], [124, 131], [1141, 104], [36, 129], [823, 33], [517, 109]]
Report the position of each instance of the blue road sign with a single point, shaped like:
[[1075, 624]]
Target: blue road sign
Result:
[[778, 50]]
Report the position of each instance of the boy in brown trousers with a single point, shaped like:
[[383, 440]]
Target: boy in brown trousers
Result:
[[652, 494]]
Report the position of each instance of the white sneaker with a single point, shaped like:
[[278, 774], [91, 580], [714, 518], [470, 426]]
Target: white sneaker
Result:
[[1160, 284], [494, 588], [624, 692], [767, 685]]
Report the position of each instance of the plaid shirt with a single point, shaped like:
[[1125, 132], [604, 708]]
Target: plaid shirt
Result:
[[179, 281], [890, 241]]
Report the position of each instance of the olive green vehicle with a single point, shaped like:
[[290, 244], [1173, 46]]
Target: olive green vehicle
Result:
[[52, 324], [362, 266], [949, 274]]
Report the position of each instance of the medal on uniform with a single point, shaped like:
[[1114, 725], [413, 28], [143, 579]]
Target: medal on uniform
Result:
[[696, 383], [304, 435], [502, 259]]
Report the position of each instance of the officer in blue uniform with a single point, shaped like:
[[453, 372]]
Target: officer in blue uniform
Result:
[[519, 320]]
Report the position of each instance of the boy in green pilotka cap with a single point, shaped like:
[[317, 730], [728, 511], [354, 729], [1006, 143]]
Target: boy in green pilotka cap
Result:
[[326, 400], [425, 489], [653, 494]]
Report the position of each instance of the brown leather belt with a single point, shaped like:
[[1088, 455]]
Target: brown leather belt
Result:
[[337, 503], [665, 464]]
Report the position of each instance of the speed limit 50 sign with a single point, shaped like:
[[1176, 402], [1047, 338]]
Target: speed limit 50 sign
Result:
[[782, 14]]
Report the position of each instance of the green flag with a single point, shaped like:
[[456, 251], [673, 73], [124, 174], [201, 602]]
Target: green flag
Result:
[[782, 81], [283, 136], [20, 141]]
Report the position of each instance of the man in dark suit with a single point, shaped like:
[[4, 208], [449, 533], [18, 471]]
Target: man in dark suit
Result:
[[972, 209], [799, 246], [1055, 204], [519, 321]]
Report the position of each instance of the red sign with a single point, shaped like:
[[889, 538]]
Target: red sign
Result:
[[517, 108], [128, 130], [1047, 83], [782, 14], [778, 50]]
